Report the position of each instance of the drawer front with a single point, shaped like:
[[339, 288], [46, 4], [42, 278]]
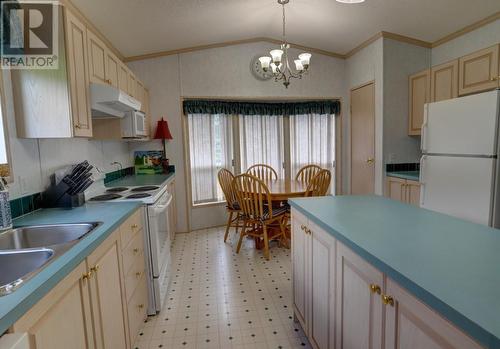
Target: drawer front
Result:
[[134, 250], [134, 276], [137, 309], [130, 227]]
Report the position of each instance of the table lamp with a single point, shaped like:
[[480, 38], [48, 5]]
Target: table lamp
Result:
[[163, 133]]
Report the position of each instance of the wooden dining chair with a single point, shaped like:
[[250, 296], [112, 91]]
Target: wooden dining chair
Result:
[[263, 172], [319, 184], [261, 220], [307, 173], [235, 218]]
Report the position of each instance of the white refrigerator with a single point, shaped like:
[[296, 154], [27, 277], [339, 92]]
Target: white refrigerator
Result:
[[459, 168]]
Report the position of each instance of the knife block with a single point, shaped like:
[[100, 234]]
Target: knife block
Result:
[[57, 196]]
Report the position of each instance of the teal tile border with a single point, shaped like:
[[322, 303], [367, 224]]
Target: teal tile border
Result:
[[112, 176], [24, 205]]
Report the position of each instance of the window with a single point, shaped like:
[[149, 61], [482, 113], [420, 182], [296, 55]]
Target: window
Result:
[[261, 141], [223, 138], [312, 141], [210, 146]]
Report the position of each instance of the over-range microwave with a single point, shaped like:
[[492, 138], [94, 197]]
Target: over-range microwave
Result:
[[134, 124]]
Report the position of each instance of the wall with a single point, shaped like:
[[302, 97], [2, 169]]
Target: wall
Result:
[[33, 160], [400, 60], [480, 38], [364, 66], [222, 72]]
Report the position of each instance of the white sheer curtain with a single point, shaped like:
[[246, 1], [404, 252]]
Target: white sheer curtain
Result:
[[312, 141], [210, 148], [261, 141]]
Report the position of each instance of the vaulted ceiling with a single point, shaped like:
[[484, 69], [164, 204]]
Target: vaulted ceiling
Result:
[[137, 27]]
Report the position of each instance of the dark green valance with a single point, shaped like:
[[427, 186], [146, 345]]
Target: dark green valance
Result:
[[197, 106]]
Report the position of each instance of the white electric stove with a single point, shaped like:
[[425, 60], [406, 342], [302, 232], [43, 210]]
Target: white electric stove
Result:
[[156, 200]]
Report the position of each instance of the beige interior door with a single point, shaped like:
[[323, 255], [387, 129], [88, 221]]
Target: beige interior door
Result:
[[363, 140]]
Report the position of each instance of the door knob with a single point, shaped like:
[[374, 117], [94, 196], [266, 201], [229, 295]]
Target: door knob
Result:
[[370, 160]]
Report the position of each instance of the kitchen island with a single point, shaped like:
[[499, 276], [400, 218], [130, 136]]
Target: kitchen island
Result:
[[370, 271]]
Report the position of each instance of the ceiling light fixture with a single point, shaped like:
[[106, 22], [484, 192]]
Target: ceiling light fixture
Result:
[[351, 1], [278, 62]]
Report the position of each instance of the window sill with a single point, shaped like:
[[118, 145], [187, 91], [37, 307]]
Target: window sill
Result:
[[208, 204]]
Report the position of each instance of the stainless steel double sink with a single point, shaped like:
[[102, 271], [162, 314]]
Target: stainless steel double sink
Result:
[[25, 251]]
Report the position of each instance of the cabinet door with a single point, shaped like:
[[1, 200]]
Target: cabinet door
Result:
[[321, 292], [444, 81], [419, 94], [147, 112], [132, 85], [413, 193], [411, 324], [358, 309], [139, 91], [76, 52], [396, 189], [479, 71], [299, 266], [97, 58], [106, 293], [62, 319], [123, 78], [112, 69]]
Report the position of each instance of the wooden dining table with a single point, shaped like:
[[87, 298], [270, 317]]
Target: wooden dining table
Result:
[[284, 189]]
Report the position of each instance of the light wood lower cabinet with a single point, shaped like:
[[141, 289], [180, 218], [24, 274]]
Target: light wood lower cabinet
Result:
[[89, 308], [314, 281], [359, 315], [403, 190], [61, 319], [411, 324], [344, 302]]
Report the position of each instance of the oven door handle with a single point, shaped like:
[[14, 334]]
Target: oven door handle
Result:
[[162, 208]]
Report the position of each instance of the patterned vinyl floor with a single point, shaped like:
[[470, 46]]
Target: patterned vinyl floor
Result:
[[220, 299]]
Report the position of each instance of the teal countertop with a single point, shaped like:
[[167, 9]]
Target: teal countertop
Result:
[[16, 304], [451, 265], [138, 180], [411, 175]]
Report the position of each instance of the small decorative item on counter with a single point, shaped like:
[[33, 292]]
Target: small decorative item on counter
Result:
[[5, 214], [148, 162], [165, 164]]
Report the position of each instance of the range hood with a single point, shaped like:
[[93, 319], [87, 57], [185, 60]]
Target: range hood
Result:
[[109, 102]]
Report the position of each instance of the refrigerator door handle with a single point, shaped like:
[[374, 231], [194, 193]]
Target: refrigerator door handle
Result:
[[422, 179], [423, 142]]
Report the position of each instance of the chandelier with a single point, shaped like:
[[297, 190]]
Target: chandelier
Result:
[[278, 62]]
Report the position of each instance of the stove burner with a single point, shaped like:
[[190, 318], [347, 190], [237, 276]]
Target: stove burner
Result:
[[116, 189], [145, 188], [138, 196], [105, 197]]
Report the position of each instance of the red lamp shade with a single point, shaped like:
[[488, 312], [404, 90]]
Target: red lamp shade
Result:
[[162, 131]]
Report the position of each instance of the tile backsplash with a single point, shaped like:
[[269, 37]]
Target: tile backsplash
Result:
[[413, 166], [25, 204]]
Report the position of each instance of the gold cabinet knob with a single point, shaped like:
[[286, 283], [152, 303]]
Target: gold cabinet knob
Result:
[[388, 300], [140, 306], [138, 274], [94, 268], [77, 126], [370, 160], [495, 78], [302, 227], [87, 276], [134, 226], [135, 250], [375, 288], [309, 231]]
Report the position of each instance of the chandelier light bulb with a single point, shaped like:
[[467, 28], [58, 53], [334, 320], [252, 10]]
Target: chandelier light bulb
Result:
[[276, 55], [305, 58], [265, 62], [298, 65]]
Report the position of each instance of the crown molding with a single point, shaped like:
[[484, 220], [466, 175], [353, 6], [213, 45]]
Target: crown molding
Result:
[[467, 29], [382, 34], [229, 43]]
